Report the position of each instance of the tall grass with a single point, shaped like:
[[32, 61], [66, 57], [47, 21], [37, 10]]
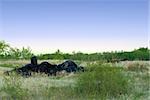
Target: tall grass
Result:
[[12, 88], [138, 67], [100, 81], [103, 81]]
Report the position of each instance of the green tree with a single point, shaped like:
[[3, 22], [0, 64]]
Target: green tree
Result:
[[26, 53], [4, 48]]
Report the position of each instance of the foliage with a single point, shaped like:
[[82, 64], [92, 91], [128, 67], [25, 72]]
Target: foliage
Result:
[[100, 81], [103, 81], [24, 53], [8, 52], [139, 54], [3, 48]]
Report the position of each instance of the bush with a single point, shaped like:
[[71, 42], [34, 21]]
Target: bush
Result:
[[103, 81]]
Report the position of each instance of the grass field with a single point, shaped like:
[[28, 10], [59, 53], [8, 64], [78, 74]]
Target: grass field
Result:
[[101, 81]]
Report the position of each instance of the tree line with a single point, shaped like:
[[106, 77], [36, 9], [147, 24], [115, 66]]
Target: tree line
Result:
[[8, 52]]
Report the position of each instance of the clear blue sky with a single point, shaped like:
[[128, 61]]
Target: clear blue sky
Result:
[[75, 25]]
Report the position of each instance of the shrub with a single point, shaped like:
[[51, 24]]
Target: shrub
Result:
[[103, 81]]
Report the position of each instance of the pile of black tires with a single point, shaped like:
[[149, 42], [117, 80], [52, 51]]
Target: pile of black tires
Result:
[[47, 68]]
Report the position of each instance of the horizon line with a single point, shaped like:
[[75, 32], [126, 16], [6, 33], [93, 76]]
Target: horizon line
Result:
[[85, 52]]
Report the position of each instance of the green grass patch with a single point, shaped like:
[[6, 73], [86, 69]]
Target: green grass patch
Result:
[[103, 81], [100, 81], [10, 65]]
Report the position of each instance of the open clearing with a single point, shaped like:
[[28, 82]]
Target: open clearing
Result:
[[64, 86]]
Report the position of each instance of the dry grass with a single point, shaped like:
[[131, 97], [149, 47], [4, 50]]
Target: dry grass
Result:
[[138, 66], [63, 86]]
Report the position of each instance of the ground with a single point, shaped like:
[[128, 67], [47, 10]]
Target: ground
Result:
[[79, 86]]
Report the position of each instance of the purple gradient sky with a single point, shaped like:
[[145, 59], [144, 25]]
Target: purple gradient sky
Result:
[[74, 25]]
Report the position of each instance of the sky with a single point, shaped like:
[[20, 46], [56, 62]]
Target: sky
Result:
[[75, 25]]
